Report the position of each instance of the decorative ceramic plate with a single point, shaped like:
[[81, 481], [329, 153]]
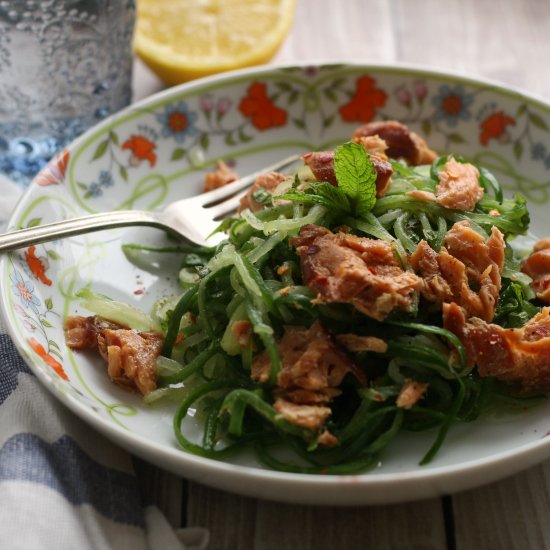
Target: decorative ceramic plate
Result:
[[158, 150]]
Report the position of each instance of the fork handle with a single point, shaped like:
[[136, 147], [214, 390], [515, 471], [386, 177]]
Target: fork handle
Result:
[[76, 226]]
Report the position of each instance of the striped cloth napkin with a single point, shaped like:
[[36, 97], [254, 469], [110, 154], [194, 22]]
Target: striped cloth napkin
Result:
[[62, 485]]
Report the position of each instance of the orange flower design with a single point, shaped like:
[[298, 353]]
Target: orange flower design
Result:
[[494, 126], [363, 105], [38, 266], [257, 106], [49, 360], [142, 149], [54, 174]]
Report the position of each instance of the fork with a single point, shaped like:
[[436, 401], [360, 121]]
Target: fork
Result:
[[194, 218]]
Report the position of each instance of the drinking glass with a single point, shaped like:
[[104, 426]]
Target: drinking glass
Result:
[[64, 66]]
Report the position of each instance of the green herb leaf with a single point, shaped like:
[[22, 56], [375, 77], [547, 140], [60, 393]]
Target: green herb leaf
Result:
[[324, 194], [356, 177], [513, 309]]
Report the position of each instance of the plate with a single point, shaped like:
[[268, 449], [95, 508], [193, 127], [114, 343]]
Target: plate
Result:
[[158, 150]]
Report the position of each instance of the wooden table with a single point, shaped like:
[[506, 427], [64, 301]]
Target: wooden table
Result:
[[506, 40]]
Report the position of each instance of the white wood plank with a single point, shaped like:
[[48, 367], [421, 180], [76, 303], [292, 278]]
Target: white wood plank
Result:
[[231, 519], [250, 524], [509, 515], [161, 489], [417, 525]]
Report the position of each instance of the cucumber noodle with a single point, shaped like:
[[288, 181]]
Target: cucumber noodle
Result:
[[254, 276]]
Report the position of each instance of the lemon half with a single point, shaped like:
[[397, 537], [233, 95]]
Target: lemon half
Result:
[[185, 39]]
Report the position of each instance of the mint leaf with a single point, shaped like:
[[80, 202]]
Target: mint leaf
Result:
[[356, 191], [324, 194], [356, 177]]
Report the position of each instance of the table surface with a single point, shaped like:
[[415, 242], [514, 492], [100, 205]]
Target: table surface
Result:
[[505, 40]]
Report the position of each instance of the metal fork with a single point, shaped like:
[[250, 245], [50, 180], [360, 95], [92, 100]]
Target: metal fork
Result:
[[194, 218]]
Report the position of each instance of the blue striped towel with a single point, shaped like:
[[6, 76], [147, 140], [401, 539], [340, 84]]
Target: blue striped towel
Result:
[[62, 485]]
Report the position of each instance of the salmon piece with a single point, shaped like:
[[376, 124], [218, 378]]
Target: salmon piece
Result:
[[221, 176], [424, 196], [242, 330], [467, 270], [374, 145], [310, 417], [425, 262], [458, 187], [313, 367], [411, 392], [356, 343], [267, 182], [301, 396], [130, 355], [310, 360], [542, 244], [81, 332], [519, 356], [343, 268], [327, 439], [401, 141], [537, 266], [321, 163]]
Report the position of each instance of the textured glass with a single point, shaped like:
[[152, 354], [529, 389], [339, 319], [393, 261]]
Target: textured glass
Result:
[[64, 66]]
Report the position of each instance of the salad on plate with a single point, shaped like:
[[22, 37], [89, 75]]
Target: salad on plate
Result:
[[380, 288]]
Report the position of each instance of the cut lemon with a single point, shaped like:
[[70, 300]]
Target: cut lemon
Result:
[[185, 39]]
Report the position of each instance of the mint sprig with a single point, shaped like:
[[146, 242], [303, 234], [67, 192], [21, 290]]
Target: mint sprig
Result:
[[356, 177], [355, 194]]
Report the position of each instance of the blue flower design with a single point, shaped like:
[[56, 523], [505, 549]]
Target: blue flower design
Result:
[[538, 151], [452, 104], [25, 291], [178, 121], [94, 190], [106, 179]]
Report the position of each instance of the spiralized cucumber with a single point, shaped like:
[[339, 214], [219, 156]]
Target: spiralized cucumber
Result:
[[251, 287]]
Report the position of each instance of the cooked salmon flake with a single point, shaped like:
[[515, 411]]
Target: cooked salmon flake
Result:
[[344, 268], [537, 266], [130, 355], [467, 270], [268, 182], [222, 175], [402, 143], [411, 392], [313, 366], [458, 187], [520, 356]]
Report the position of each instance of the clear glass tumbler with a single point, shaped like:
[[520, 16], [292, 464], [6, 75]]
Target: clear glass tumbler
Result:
[[64, 66]]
